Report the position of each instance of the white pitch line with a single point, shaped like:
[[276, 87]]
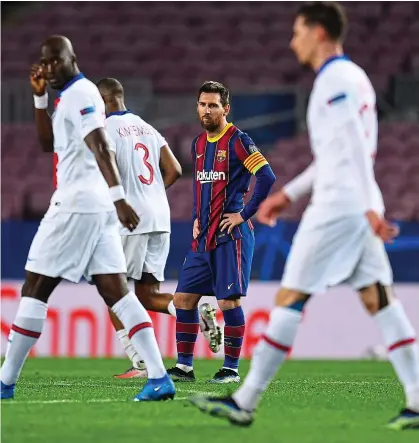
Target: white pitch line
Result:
[[335, 382], [94, 400]]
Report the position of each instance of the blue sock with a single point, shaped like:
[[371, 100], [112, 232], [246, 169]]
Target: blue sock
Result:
[[187, 326], [233, 336]]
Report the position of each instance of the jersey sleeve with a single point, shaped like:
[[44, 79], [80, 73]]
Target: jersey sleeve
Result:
[[249, 154], [86, 114], [110, 136], [161, 141], [300, 185], [347, 131]]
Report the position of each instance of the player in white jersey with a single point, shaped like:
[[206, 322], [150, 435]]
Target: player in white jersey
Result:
[[147, 167], [79, 233], [341, 236]]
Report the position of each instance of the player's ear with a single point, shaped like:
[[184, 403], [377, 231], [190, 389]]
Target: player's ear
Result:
[[226, 110]]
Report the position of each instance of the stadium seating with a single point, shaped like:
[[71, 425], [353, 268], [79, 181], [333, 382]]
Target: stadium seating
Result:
[[397, 170], [179, 44]]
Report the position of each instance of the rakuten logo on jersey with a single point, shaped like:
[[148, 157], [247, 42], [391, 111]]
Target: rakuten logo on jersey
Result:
[[209, 176]]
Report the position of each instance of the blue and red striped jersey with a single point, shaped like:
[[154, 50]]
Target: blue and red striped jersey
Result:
[[223, 167]]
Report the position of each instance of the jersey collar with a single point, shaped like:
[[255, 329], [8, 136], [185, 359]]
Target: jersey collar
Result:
[[71, 82], [127, 111], [217, 137], [331, 60]]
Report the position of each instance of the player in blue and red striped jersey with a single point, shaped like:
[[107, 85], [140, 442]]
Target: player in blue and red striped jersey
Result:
[[220, 259]]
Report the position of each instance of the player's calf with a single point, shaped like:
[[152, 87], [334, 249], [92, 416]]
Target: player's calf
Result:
[[233, 340], [187, 326], [26, 329], [400, 340]]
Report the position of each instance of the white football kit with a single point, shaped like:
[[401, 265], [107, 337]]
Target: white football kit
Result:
[[137, 148], [79, 233], [334, 242]]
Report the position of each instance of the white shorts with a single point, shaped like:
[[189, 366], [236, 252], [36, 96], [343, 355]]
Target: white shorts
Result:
[[146, 253], [72, 245], [338, 250]]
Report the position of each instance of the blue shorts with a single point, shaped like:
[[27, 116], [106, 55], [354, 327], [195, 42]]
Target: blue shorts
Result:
[[223, 272]]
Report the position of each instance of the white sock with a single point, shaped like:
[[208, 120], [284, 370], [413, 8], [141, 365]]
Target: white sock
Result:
[[129, 349], [270, 352], [400, 339], [171, 308], [26, 330], [185, 368], [141, 333]]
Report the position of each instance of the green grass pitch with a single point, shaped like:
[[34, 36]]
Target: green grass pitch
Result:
[[77, 401]]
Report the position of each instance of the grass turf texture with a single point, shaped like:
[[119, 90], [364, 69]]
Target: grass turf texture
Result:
[[77, 401]]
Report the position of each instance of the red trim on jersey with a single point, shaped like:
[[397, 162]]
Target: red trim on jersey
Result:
[[200, 151], [219, 187], [239, 262], [241, 152], [139, 327], [26, 332], [275, 344], [401, 343], [234, 331]]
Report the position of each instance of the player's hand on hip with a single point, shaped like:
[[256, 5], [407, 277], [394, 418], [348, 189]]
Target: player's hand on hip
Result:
[[127, 216], [382, 228], [230, 221], [37, 79], [195, 230], [271, 208]]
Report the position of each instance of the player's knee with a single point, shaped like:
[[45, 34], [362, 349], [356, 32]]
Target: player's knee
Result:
[[229, 303], [112, 287], [38, 286], [185, 301], [375, 297], [292, 299]]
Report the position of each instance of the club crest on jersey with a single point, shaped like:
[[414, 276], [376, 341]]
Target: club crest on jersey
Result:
[[221, 155]]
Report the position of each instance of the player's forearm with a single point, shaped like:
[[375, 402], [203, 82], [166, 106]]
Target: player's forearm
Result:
[[44, 129], [98, 144], [300, 185], [107, 167], [265, 178]]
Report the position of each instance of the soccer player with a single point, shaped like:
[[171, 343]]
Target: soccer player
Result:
[[341, 236], [219, 262], [147, 167], [79, 233]]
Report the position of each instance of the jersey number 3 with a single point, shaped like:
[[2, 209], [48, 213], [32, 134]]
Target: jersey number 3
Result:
[[144, 180]]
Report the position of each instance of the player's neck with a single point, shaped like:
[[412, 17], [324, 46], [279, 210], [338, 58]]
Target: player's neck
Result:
[[116, 106], [220, 129], [327, 51]]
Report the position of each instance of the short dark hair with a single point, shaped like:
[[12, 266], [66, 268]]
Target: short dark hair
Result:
[[211, 86], [112, 85], [330, 15]]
